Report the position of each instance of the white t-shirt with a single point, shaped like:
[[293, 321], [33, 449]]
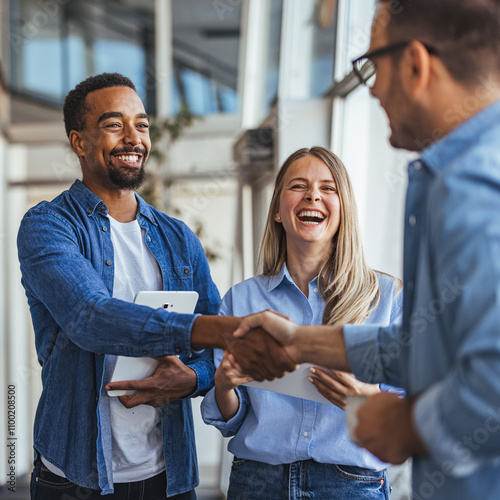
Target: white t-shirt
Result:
[[136, 432]]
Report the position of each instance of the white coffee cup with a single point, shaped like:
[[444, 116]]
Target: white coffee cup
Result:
[[354, 401]]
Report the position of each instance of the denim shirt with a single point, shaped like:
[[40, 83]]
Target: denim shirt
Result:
[[447, 351], [66, 258], [278, 429]]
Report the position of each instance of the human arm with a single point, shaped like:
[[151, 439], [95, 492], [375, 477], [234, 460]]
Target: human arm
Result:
[[68, 283], [319, 344], [258, 354], [227, 378], [453, 328], [59, 265], [262, 354], [457, 413]]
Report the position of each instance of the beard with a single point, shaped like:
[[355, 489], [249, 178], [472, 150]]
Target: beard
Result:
[[127, 177]]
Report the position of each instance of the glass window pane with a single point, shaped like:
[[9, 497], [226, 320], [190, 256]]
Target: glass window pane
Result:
[[36, 50], [205, 56], [57, 45], [323, 52], [273, 59]]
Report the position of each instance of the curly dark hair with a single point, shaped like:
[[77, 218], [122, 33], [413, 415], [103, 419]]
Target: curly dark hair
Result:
[[75, 106]]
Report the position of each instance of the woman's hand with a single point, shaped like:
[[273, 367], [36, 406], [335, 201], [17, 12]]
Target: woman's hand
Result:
[[335, 385], [227, 378]]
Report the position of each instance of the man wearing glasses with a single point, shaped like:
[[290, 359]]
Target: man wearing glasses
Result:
[[434, 65]]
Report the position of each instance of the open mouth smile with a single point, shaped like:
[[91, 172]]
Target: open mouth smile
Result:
[[129, 159], [311, 217]]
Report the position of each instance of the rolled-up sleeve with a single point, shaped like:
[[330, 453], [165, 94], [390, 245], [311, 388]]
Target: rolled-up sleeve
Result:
[[212, 416]]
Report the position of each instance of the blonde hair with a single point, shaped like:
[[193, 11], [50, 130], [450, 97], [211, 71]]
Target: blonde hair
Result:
[[347, 284]]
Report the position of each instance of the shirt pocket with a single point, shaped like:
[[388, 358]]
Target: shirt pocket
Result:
[[180, 278]]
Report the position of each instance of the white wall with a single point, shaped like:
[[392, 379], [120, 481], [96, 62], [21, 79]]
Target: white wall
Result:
[[3, 330], [19, 365], [378, 174]]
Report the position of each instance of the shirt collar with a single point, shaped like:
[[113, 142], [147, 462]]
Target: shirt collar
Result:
[[146, 210], [284, 274], [87, 199], [91, 202], [444, 151]]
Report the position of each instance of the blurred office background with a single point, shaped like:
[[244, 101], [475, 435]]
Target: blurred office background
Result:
[[266, 77]]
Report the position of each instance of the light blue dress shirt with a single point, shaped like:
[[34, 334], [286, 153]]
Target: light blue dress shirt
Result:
[[447, 352], [278, 429]]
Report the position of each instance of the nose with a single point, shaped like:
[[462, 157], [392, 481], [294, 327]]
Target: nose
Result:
[[131, 135], [313, 194]]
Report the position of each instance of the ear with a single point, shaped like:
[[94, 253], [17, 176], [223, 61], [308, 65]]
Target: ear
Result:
[[77, 142], [417, 69], [277, 218]]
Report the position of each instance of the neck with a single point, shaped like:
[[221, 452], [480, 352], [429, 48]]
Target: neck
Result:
[[304, 264], [453, 108], [122, 204]]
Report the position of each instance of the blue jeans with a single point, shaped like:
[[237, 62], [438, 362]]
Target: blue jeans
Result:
[[48, 486], [306, 479]]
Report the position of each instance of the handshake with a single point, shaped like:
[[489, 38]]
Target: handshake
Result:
[[263, 346], [252, 349]]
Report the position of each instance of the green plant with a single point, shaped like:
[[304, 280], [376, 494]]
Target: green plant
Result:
[[156, 187]]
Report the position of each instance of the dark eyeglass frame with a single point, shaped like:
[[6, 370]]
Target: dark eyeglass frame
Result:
[[382, 51]]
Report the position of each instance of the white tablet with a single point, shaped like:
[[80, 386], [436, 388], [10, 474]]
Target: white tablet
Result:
[[293, 384], [127, 368]]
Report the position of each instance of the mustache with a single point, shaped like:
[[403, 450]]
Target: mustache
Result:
[[121, 151]]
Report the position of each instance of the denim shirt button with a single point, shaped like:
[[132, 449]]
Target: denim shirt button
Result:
[[145, 351], [108, 262], [103, 207], [177, 349], [89, 211], [104, 228], [186, 271]]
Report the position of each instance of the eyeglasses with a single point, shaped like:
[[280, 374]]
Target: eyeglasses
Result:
[[364, 67]]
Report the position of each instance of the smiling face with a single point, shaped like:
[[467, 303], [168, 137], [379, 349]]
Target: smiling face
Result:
[[404, 118], [309, 205], [114, 144]]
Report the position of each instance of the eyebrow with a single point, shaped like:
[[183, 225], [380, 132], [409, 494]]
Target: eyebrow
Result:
[[117, 114], [305, 180]]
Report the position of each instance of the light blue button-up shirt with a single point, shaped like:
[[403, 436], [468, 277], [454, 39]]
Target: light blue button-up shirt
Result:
[[278, 429], [447, 352]]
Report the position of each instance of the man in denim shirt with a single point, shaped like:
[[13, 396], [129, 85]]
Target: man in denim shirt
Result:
[[434, 65], [79, 263]]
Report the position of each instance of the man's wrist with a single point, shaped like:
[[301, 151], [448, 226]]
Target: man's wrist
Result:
[[213, 332], [415, 442], [192, 377], [322, 345]]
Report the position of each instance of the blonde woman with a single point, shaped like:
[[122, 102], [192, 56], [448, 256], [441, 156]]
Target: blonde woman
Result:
[[314, 272]]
